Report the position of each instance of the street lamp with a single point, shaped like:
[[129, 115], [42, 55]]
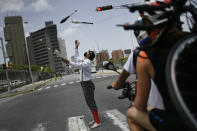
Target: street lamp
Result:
[[5, 64], [27, 52]]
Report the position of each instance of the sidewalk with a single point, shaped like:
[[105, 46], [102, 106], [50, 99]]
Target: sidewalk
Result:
[[25, 89], [108, 71]]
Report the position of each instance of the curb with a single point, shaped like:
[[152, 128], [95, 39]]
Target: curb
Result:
[[105, 73], [26, 91]]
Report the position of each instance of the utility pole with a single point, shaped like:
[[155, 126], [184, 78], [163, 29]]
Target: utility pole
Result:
[[6, 71], [27, 52]]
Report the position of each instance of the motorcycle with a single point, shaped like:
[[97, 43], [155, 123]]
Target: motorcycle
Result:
[[129, 88]]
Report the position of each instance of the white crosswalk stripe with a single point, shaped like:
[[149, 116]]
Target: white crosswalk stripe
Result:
[[98, 77], [56, 85], [63, 84], [40, 89], [48, 87], [77, 81], [71, 82], [118, 119], [77, 124]]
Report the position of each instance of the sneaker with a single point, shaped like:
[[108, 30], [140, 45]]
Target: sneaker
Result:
[[91, 122], [95, 125]]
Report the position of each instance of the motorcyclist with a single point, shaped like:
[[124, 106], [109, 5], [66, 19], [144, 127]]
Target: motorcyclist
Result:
[[155, 99], [153, 67]]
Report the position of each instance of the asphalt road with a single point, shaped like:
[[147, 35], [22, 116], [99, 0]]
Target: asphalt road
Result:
[[60, 106]]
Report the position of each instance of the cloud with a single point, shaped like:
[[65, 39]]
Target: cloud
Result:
[[11, 5], [70, 30], [41, 5]]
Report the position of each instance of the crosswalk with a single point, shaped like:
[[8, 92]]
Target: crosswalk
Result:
[[118, 120], [114, 119], [68, 83]]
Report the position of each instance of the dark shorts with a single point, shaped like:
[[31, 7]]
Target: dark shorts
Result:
[[164, 121]]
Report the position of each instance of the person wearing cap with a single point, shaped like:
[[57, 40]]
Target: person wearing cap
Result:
[[86, 81]]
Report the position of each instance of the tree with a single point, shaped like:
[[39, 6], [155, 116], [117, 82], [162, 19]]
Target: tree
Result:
[[111, 60], [123, 60], [47, 70]]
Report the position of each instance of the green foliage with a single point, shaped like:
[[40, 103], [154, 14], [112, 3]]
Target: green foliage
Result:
[[20, 67], [110, 60], [123, 60], [36, 68], [47, 70]]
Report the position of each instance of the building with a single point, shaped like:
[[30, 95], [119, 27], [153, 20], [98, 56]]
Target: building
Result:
[[41, 45], [15, 37], [62, 46], [117, 55], [102, 56], [127, 52]]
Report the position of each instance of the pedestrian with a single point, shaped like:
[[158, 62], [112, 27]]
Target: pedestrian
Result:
[[86, 81]]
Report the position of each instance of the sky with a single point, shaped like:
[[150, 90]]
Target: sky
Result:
[[103, 34]]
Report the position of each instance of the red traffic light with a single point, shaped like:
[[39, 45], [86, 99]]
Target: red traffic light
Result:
[[98, 9], [102, 8]]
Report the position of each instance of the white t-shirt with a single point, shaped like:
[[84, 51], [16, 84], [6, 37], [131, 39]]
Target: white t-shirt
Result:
[[155, 99]]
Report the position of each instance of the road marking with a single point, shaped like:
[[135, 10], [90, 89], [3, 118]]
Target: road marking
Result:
[[71, 82], [40, 89], [56, 86], [77, 124], [104, 76], [63, 84], [118, 119], [48, 87], [77, 81], [98, 77], [40, 127]]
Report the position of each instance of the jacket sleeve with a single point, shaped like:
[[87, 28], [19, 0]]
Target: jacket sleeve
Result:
[[84, 64], [77, 59]]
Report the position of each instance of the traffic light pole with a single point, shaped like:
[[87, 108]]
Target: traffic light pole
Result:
[[9, 87]]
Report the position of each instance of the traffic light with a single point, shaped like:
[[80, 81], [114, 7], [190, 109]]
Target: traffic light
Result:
[[4, 66], [9, 65], [102, 8]]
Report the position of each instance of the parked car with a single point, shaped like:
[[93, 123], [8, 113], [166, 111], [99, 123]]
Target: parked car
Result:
[[3, 85]]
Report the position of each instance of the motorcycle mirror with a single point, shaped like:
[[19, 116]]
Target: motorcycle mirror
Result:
[[109, 66]]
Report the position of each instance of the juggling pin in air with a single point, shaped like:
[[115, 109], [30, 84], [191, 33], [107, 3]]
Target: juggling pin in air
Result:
[[66, 18]]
